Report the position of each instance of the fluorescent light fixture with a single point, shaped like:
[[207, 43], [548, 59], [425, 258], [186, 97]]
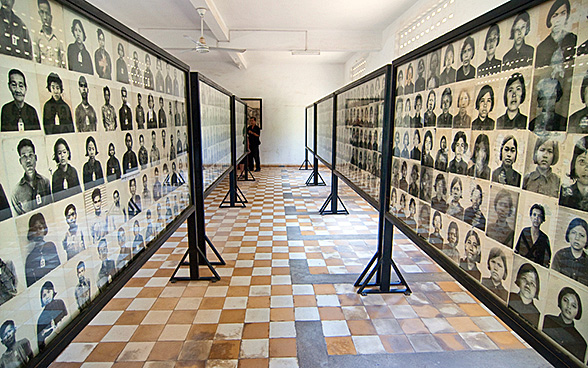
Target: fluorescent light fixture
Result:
[[306, 52]]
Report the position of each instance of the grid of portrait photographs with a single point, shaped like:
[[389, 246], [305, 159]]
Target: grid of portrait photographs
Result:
[[215, 110], [310, 127], [360, 117], [90, 173], [491, 162], [240, 128], [324, 130]]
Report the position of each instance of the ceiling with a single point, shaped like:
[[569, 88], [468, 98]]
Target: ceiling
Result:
[[268, 29]]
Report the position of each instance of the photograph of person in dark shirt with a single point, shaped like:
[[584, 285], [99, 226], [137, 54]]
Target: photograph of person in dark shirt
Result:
[[134, 205], [576, 195], [78, 57], [561, 327], [136, 73], [54, 311], [107, 267], [459, 147], [32, 190], [161, 114], [430, 117], [112, 165], [543, 180], [491, 65], [151, 115], [92, 171], [549, 93], [439, 202], [85, 114], [419, 83], [521, 54], [74, 241], [484, 105], [18, 353], [579, 120], [14, 34], [505, 174], [445, 119], [560, 40], [5, 212], [504, 214], [573, 260], [473, 215], [122, 74], [57, 117], [43, 257], [472, 254], [466, 70], [124, 113], [454, 208], [140, 113], [442, 157], [448, 74], [480, 158], [17, 115], [523, 302], [130, 162], [83, 291], [157, 189], [498, 273], [514, 95], [159, 81], [462, 120], [102, 57], [65, 181], [148, 74], [8, 281], [108, 112], [533, 243]]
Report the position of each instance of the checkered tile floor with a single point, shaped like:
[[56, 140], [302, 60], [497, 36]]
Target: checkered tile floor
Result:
[[250, 317]]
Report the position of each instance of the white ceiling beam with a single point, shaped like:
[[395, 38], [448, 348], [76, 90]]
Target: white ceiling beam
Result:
[[213, 19]]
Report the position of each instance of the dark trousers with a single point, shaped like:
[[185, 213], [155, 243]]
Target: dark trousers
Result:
[[253, 155]]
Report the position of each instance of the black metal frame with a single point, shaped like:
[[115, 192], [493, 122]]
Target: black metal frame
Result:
[[315, 176], [305, 163], [245, 99], [552, 352], [234, 197]]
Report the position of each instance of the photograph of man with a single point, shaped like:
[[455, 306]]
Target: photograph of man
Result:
[[491, 65], [92, 170], [413, 187], [455, 208], [107, 267], [445, 119], [125, 114], [572, 261], [157, 189], [560, 41], [8, 281], [415, 153], [140, 113], [170, 114], [430, 118], [175, 179], [484, 105], [136, 73], [543, 180], [462, 120], [448, 74], [180, 146], [56, 112], [523, 302], [417, 119], [473, 215], [176, 83], [125, 254], [85, 113], [419, 83], [514, 95], [33, 190], [149, 231], [122, 74], [108, 112], [159, 81], [148, 74], [78, 57], [43, 257], [154, 155], [169, 88], [73, 241], [521, 54], [579, 120], [117, 214], [82, 291], [426, 184], [505, 174], [17, 115], [145, 193], [54, 311], [18, 353], [134, 205], [561, 327], [48, 48], [177, 118], [162, 119], [504, 214], [163, 149], [14, 34], [439, 202], [172, 148], [253, 133], [102, 57], [129, 158], [112, 165], [138, 241], [65, 181], [442, 157], [143, 155], [466, 70], [576, 195], [472, 254], [480, 158], [498, 273], [549, 93], [98, 224], [450, 248], [533, 243], [151, 114]]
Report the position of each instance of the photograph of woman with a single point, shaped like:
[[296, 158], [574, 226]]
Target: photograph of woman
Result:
[[408, 84], [403, 184], [459, 147], [92, 171], [57, 118], [65, 181], [427, 159], [54, 311], [560, 40], [561, 327], [505, 174], [433, 79], [442, 158], [122, 73], [484, 105], [480, 158], [426, 184], [419, 83], [439, 202], [424, 220], [473, 215], [491, 65], [576, 195], [430, 117], [78, 57], [413, 187], [472, 255], [455, 208], [543, 180], [521, 54], [466, 70], [514, 95], [549, 93], [401, 213], [410, 220], [445, 120], [462, 120], [43, 257], [523, 302], [417, 119], [503, 215], [405, 141], [450, 248], [407, 111], [572, 261], [435, 237], [448, 74], [415, 153], [533, 243], [498, 273], [578, 122]]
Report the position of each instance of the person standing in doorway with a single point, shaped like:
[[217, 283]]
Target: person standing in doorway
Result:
[[253, 132]]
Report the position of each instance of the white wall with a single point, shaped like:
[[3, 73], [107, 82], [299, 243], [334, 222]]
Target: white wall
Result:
[[286, 89]]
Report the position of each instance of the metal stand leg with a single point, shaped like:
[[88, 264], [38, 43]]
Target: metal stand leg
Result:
[[305, 164]]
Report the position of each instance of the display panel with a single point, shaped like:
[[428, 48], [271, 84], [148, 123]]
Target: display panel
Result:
[[324, 126], [310, 128], [490, 148], [215, 117], [240, 129], [92, 169], [360, 121]]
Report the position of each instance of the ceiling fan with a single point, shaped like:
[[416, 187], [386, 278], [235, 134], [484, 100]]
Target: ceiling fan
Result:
[[201, 46]]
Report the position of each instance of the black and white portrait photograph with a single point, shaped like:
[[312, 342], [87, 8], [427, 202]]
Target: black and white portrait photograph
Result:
[[528, 290], [573, 192], [436, 235], [65, 180], [558, 24], [445, 118], [48, 34], [544, 168], [19, 91], [508, 157], [478, 165], [497, 268], [16, 40], [433, 69], [55, 91], [550, 99], [464, 104], [522, 32], [515, 100], [426, 184], [478, 199], [442, 149], [460, 152], [455, 200], [449, 58], [491, 64], [578, 120], [484, 104], [467, 57], [570, 258], [424, 219], [440, 190], [452, 241], [502, 215], [472, 253], [121, 72], [86, 119]]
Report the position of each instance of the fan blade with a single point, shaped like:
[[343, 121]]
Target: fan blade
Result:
[[191, 39], [240, 51]]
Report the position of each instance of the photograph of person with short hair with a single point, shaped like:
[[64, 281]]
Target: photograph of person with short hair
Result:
[[107, 268], [157, 187], [533, 243], [162, 119], [98, 223], [18, 352], [445, 119], [523, 302], [433, 75], [549, 93], [407, 120], [33, 190], [148, 74], [472, 254], [484, 105], [48, 48], [65, 181], [419, 84], [514, 95], [480, 158], [14, 34], [125, 114], [102, 57], [85, 113], [424, 220], [417, 119], [521, 54], [73, 241], [82, 291], [143, 155], [122, 74], [92, 171], [415, 153], [78, 57], [450, 248], [413, 187], [130, 162], [505, 174], [8, 281], [43, 257], [427, 159], [150, 229], [543, 180], [17, 115], [117, 213], [159, 80], [409, 216], [454, 208], [572, 261], [151, 114], [408, 84], [459, 147], [136, 73], [57, 117], [108, 112], [576, 194], [169, 88], [473, 215], [400, 83], [468, 51], [491, 64], [435, 237], [448, 74], [426, 183], [405, 141], [560, 40], [498, 268], [140, 113], [439, 201], [502, 215], [462, 120], [430, 117], [138, 241], [442, 157], [112, 165], [578, 122]]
